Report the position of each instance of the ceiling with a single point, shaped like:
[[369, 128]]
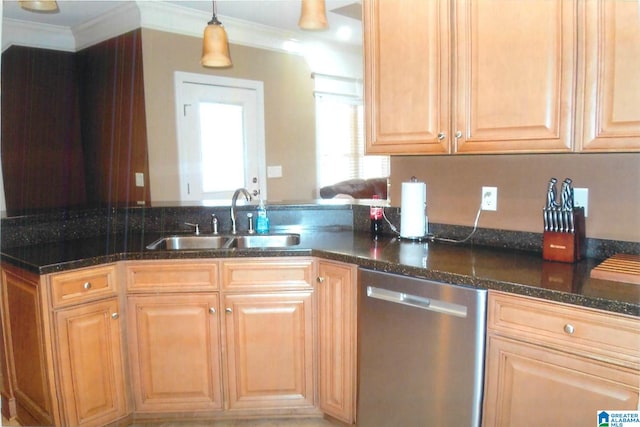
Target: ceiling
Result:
[[279, 14]]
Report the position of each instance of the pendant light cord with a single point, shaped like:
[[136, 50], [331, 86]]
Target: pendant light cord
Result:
[[214, 18]]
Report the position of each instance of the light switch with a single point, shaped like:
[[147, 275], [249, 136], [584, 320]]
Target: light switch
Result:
[[274, 171], [139, 179], [581, 198]]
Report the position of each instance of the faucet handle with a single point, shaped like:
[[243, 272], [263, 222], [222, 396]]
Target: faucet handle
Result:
[[250, 219], [195, 226], [214, 224]]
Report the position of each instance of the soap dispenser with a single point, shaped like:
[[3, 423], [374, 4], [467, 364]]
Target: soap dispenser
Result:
[[262, 221]]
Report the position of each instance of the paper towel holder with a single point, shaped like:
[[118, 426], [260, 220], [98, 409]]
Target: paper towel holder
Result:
[[413, 219]]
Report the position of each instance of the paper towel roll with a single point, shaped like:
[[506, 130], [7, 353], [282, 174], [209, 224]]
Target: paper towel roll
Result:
[[413, 210]]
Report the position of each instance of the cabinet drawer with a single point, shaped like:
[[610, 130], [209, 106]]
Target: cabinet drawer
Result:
[[601, 334], [172, 276], [83, 285], [267, 274]]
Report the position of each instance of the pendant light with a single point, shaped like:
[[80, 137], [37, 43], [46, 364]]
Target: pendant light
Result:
[[215, 45], [313, 15], [39, 5]]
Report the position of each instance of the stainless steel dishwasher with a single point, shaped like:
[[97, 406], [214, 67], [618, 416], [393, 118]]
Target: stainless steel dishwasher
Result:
[[421, 352]]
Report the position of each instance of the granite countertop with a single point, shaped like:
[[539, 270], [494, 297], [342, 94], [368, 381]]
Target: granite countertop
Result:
[[512, 271]]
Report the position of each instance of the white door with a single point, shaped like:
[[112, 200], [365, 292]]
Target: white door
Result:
[[220, 125]]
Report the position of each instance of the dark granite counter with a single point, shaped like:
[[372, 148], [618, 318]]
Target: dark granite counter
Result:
[[507, 270]]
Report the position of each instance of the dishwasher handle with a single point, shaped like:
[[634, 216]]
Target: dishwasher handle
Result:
[[417, 301]]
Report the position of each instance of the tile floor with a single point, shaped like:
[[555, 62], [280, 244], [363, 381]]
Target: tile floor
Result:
[[294, 422]]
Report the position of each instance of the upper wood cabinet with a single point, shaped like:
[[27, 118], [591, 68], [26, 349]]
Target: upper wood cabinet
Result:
[[456, 77], [612, 76], [515, 75], [407, 76]]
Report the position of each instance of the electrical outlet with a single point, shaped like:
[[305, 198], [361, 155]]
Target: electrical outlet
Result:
[[489, 198]]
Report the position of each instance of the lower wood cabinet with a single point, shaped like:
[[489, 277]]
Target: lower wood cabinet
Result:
[[89, 353], [174, 351], [30, 368], [553, 364], [64, 346], [269, 345], [337, 359], [204, 338], [239, 340]]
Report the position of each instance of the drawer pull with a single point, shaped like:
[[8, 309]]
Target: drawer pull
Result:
[[569, 329], [87, 285], [115, 316]]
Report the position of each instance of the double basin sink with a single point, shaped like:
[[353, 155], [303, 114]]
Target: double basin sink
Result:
[[225, 241]]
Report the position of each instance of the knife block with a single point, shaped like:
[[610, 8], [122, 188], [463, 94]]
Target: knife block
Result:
[[566, 246]]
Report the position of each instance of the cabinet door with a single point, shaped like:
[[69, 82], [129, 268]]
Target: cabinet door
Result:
[[612, 76], [337, 299], [270, 350], [29, 371], [532, 385], [515, 67], [407, 90], [91, 364], [174, 348]]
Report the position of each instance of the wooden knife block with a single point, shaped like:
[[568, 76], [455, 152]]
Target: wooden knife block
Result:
[[566, 246]]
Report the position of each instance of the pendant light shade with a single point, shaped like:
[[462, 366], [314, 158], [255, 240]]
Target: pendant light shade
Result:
[[39, 5], [215, 45], [313, 15]]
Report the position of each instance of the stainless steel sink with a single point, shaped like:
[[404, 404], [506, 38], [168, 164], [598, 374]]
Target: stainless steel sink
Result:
[[266, 240], [176, 243], [225, 241]]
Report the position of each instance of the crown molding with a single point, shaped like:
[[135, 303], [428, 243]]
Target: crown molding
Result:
[[161, 16], [117, 21], [32, 34]]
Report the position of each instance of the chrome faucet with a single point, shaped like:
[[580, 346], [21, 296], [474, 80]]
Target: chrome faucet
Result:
[[234, 200]]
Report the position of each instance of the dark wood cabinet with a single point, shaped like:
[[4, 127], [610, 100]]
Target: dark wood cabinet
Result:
[[42, 161], [113, 123], [73, 126]]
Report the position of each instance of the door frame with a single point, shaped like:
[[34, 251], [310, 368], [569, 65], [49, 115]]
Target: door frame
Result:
[[181, 77]]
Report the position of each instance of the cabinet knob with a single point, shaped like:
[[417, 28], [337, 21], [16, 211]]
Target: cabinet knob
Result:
[[569, 329], [212, 310], [458, 134], [115, 316], [441, 136], [228, 310], [320, 279], [87, 285]]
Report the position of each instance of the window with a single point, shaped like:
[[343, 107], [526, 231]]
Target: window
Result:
[[340, 133], [220, 136]]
